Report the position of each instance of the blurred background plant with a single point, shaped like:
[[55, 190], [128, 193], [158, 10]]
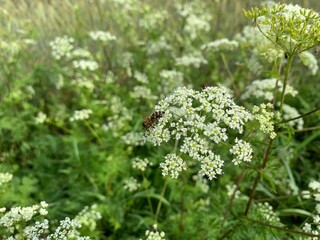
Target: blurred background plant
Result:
[[77, 79]]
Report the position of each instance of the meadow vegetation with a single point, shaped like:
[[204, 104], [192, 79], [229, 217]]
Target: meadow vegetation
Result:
[[128, 119]]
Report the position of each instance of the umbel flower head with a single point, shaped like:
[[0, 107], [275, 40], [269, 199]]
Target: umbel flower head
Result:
[[199, 122], [292, 28]]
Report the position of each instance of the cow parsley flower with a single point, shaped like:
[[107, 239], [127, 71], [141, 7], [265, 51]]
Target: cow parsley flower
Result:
[[310, 61], [223, 44], [141, 163], [131, 184], [102, 36], [62, 47], [81, 115], [5, 178], [242, 152], [265, 89], [154, 234], [290, 27], [199, 121], [266, 118], [194, 60]]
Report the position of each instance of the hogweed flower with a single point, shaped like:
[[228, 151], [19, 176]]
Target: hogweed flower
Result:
[[200, 122]]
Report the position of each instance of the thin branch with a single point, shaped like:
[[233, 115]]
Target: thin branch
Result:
[[284, 229]]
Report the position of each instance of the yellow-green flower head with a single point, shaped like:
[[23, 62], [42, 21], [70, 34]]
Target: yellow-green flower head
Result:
[[292, 28]]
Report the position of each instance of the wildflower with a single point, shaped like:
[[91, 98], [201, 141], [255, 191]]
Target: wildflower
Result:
[[290, 27], [198, 121], [141, 164], [242, 151], [266, 118], [310, 61], [41, 118], [62, 47], [231, 189], [154, 234], [131, 184], [88, 217], [265, 89], [102, 36], [265, 213], [86, 65], [133, 138], [172, 166], [223, 44], [195, 60], [289, 113], [5, 178], [81, 115]]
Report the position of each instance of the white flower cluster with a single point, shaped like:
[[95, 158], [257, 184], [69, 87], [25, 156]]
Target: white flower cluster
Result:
[[201, 183], [315, 187], [85, 64], [83, 81], [18, 214], [195, 60], [310, 61], [242, 151], [81, 53], [140, 77], [142, 92], [118, 117], [154, 47], [62, 47], [5, 178], [265, 89], [81, 115], [41, 118], [88, 217], [266, 213], [314, 227], [196, 18], [154, 234], [172, 165], [231, 189], [289, 113], [131, 184], [66, 230], [169, 80], [133, 138], [141, 163], [266, 118], [223, 44], [153, 19], [37, 231], [102, 36], [198, 119]]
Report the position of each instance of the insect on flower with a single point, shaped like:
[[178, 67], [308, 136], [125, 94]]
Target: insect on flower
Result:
[[150, 121]]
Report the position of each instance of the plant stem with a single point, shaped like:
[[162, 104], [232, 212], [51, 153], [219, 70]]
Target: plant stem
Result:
[[258, 177], [290, 59], [160, 201]]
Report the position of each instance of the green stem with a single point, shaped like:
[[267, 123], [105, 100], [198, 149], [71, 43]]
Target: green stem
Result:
[[258, 177], [160, 201], [288, 68]]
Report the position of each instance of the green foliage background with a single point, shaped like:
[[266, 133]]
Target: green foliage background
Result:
[[74, 164]]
